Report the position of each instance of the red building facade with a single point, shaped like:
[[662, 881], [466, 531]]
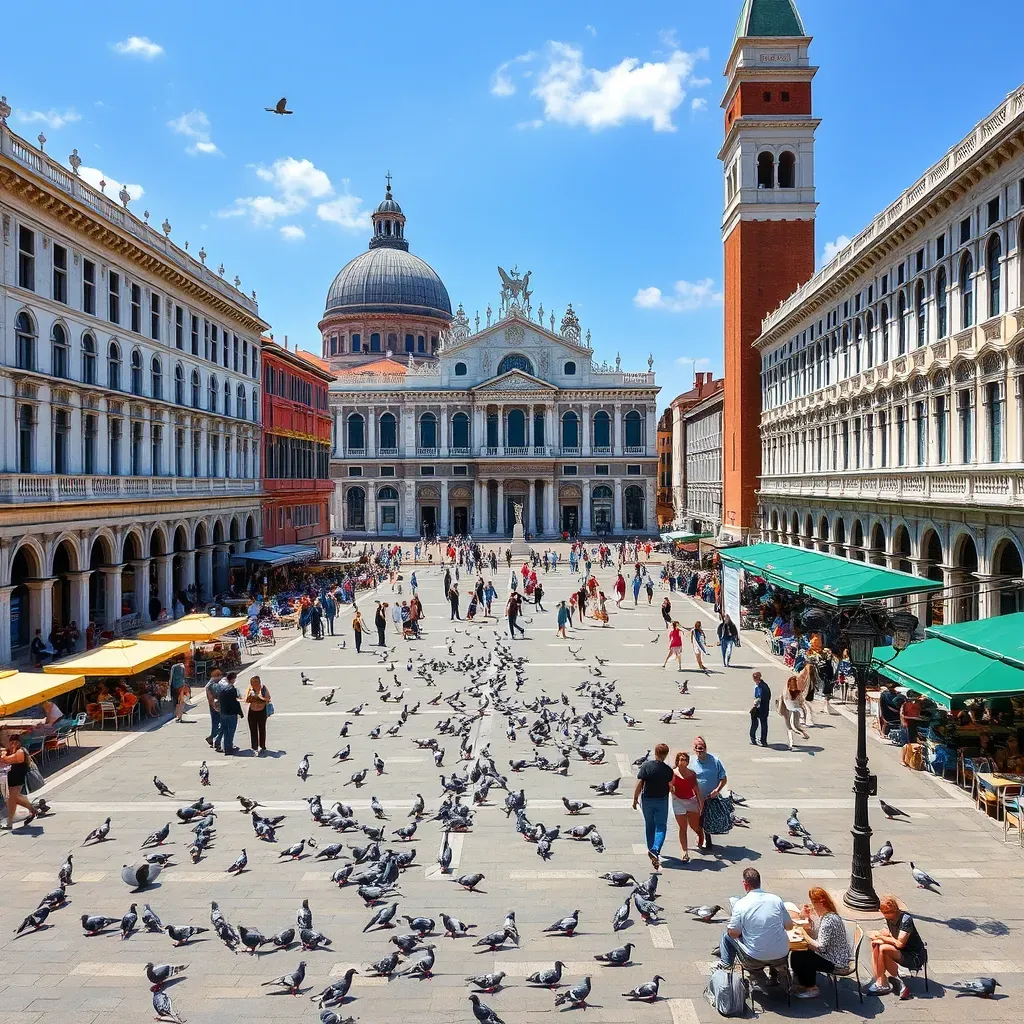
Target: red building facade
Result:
[[296, 449]]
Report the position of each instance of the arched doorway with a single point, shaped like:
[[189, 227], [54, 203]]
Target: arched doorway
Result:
[[774, 532], [794, 530], [250, 533], [966, 562], [65, 562], [428, 506], [857, 541], [460, 501], [633, 512], [387, 510], [901, 549], [25, 567], [1007, 567], [601, 509], [157, 574], [877, 553], [201, 540], [808, 531], [178, 561], [569, 500], [823, 534], [220, 559], [840, 538], [100, 556], [931, 553]]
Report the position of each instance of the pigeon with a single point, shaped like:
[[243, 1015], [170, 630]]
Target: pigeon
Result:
[[383, 918], [454, 927], [129, 921], [312, 939], [983, 987], [98, 835], [385, 967], [378, 762], [378, 810], [344, 753], [304, 916], [204, 774], [565, 925], [794, 826], [444, 858], [647, 909], [891, 812], [606, 788], [292, 981], [618, 877], [422, 967], [704, 913], [281, 107], [54, 898], [181, 934], [239, 864], [923, 879], [141, 875], [574, 806], [406, 832], [157, 838], [283, 939], [328, 699], [65, 872], [418, 806], [93, 925], [618, 957], [470, 881], [335, 993], [160, 974], [621, 916], [783, 845], [648, 990], [483, 1013], [816, 849], [162, 789], [492, 940], [358, 778], [163, 859], [487, 982], [883, 856], [150, 921], [248, 805], [342, 875], [576, 994], [35, 920], [164, 1010], [423, 925], [303, 770], [295, 851], [406, 943], [252, 939]]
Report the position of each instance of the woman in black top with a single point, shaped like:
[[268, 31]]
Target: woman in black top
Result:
[[17, 758], [380, 620], [899, 944], [653, 781]]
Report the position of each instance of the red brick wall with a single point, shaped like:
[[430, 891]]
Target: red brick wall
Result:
[[765, 262], [749, 99]]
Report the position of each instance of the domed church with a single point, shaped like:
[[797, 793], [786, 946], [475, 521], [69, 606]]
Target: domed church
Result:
[[385, 302]]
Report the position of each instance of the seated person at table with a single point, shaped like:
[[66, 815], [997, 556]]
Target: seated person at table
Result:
[[889, 704], [900, 944], [49, 727], [757, 928], [828, 946]]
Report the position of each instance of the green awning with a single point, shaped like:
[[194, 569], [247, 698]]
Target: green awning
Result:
[[682, 537], [1001, 637], [949, 675], [827, 578]]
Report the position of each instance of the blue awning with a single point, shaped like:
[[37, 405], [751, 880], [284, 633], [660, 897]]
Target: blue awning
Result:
[[283, 554]]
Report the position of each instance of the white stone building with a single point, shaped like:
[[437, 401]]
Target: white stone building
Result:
[[702, 427], [893, 384], [129, 373]]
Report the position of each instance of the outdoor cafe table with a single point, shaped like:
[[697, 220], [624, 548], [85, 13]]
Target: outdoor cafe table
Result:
[[998, 781]]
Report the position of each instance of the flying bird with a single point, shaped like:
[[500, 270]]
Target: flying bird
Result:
[[281, 107]]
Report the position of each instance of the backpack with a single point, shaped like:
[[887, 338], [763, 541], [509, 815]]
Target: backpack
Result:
[[727, 992]]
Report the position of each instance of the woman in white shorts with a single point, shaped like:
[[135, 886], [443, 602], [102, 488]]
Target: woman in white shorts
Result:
[[686, 801]]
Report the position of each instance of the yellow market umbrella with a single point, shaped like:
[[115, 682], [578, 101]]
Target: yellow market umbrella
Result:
[[20, 690], [120, 658], [198, 628]]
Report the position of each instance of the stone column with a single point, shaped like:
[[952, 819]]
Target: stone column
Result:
[[102, 438], [442, 441], [371, 432], [141, 569], [445, 511], [79, 583], [409, 424], [651, 433], [221, 560], [531, 507], [205, 582], [112, 595], [188, 568], [501, 509], [617, 499], [5, 625], [585, 429], [371, 508], [40, 606], [551, 440], [164, 582], [411, 519], [650, 508], [585, 527], [529, 428], [76, 450], [617, 441]]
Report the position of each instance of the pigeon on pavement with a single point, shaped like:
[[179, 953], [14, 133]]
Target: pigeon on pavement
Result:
[[783, 845], [619, 878], [483, 1013], [385, 967], [383, 918], [312, 939], [150, 920], [923, 879], [283, 939], [239, 864], [618, 957], [164, 1010], [565, 925], [883, 856], [99, 834], [335, 993], [891, 812], [161, 788], [550, 977], [487, 982], [252, 939], [704, 913], [983, 987], [816, 849], [157, 838], [181, 934], [648, 990], [470, 881], [160, 974], [94, 924], [292, 981], [129, 921], [35, 920], [422, 967], [575, 994]]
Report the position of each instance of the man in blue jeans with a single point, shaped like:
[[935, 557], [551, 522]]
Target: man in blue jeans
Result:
[[653, 781], [760, 710], [213, 700]]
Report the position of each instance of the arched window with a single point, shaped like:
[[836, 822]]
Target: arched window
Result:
[[179, 384], [921, 313], [634, 429], [901, 317], [602, 430], [387, 494], [570, 430], [428, 431], [61, 429], [941, 305], [61, 351], [88, 359], [26, 439], [374, 342], [516, 429], [787, 170], [241, 411], [156, 372], [410, 343], [460, 430], [515, 362], [633, 509], [765, 170], [966, 292], [227, 398], [570, 369], [388, 432], [255, 406], [355, 499], [213, 391], [356, 440], [992, 264], [25, 342], [460, 369], [136, 372], [857, 332], [114, 366], [869, 330], [885, 333], [196, 390]]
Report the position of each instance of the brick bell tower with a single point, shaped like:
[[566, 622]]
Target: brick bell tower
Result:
[[768, 222]]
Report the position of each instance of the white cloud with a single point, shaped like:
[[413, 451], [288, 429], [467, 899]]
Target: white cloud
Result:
[[669, 38], [195, 126], [537, 122], [502, 83], [590, 29], [631, 90], [53, 120], [686, 297], [698, 103], [93, 175], [292, 233], [832, 249], [296, 183], [138, 46]]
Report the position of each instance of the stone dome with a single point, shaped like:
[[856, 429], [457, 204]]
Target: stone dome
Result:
[[388, 280]]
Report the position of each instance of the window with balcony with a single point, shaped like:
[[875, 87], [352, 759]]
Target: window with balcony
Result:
[[883, 440], [428, 431], [856, 442], [993, 253], [570, 430], [602, 430], [921, 430], [356, 433], [136, 372], [539, 435], [885, 333], [633, 426], [942, 430], [901, 437], [241, 406], [135, 308], [61, 433], [966, 292], [60, 351], [89, 445], [515, 429], [994, 405], [26, 439], [115, 427], [196, 454], [921, 314], [941, 302], [114, 297], [154, 316], [213, 392], [89, 287], [965, 418], [114, 366], [60, 273], [136, 449], [901, 315], [460, 431], [26, 258], [156, 447]]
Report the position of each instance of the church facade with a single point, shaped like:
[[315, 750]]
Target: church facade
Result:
[[516, 412]]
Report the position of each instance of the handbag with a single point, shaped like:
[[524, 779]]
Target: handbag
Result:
[[270, 709], [33, 777]]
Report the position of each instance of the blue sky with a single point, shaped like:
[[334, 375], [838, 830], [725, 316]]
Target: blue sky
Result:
[[578, 140]]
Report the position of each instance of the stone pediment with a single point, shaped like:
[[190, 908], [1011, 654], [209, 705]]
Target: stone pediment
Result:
[[515, 380]]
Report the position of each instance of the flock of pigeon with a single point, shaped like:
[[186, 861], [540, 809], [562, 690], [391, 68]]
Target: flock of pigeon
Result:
[[371, 855]]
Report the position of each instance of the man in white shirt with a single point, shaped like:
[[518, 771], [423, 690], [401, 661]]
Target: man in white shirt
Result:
[[757, 928]]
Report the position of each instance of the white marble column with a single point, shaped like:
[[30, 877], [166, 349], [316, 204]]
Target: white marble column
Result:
[[551, 440], [140, 567], [445, 512], [40, 606], [5, 624], [585, 429], [617, 441], [371, 508], [651, 434], [529, 428], [371, 432], [164, 582], [112, 594], [501, 509], [531, 505], [205, 581], [79, 584], [585, 509], [442, 441], [617, 501]]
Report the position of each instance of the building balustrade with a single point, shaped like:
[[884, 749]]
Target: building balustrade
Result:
[[26, 488]]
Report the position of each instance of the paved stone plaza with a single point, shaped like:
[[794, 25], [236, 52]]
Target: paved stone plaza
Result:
[[971, 928]]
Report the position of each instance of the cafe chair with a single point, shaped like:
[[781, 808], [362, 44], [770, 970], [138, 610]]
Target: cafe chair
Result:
[[852, 968], [76, 724], [986, 798], [35, 746], [59, 739], [966, 767], [750, 969], [1010, 805], [108, 713]]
